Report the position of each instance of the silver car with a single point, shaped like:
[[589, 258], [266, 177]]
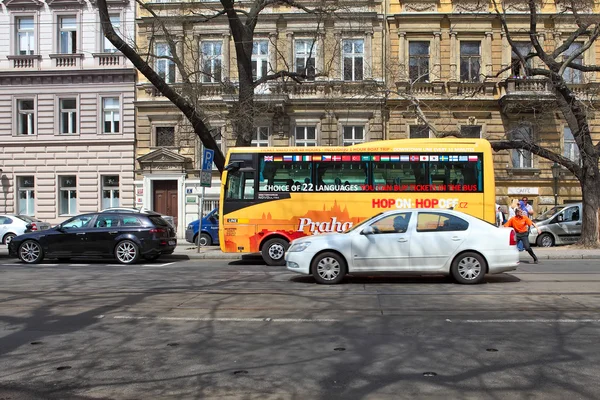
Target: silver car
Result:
[[559, 225], [12, 225]]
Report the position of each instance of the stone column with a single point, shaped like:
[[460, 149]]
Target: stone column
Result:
[[436, 74], [291, 51], [320, 56], [368, 56], [337, 37], [226, 60], [402, 73], [506, 56], [488, 53], [453, 57], [272, 52]]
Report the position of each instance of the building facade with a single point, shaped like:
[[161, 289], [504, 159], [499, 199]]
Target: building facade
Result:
[[66, 109], [367, 68]]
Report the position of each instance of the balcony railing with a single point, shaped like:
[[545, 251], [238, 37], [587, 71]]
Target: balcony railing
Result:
[[67, 60], [25, 61], [109, 59]]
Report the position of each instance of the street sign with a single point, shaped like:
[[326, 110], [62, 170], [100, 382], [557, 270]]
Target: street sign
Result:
[[206, 173]]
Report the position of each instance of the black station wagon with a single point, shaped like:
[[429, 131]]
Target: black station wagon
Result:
[[124, 236]]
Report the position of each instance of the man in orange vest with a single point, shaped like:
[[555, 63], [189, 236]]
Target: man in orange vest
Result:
[[520, 223]]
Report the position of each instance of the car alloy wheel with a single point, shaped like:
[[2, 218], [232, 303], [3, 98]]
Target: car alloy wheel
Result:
[[545, 240], [328, 268], [468, 268], [126, 252], [273, 251], [8, 238], [31, 252]]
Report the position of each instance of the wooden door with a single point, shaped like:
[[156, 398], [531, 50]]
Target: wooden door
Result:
[[165, 198]]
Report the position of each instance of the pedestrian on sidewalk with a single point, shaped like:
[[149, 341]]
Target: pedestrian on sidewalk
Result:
[[521, 223]]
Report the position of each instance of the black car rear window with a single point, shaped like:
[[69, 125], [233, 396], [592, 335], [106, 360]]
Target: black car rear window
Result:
[[158, 221]]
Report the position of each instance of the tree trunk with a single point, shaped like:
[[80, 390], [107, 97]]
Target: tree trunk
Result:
[[590, 190]]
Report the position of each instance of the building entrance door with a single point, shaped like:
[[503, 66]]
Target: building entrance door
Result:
[[165, 198]]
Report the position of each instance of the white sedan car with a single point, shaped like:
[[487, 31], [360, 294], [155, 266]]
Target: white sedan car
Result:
[[423, 241]]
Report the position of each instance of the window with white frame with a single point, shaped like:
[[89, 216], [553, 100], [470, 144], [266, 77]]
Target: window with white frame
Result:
[[165, 66], [571, 151], [470, 131], [418, 61], [353, 134], [25, 117], [67, 35], [67, 195], [260, 59], [306, 51], [26, 195], [211, 60], [110, 191], [165, 136], [470, 61], [25, 36], [517, 68], [353, 59], [68, 115], [107, 46], [111, 115], [571, 75], [522, 158], [305, 136], [261, 137]]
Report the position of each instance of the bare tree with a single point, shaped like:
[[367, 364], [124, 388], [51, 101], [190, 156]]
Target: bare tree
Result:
[[185, 95], [555, 67]]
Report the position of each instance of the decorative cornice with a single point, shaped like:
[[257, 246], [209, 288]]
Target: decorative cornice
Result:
[[68, 76]]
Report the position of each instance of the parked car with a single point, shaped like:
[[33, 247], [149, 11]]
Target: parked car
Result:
[[124, 236], [423, 241], [12, 225], [210, 230], [559, 225], [143, 210]]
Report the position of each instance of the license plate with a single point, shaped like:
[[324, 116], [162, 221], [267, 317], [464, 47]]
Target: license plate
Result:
[[172, 242]]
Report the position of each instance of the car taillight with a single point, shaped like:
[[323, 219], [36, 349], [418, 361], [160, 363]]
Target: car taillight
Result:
[[33, 226], [513, 238], [158, 230]]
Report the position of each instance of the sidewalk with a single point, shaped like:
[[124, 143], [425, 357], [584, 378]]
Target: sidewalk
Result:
[[187, 251]]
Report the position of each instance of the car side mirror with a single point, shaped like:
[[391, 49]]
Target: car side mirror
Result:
[[60, 228], [560, 218], [368, 231]]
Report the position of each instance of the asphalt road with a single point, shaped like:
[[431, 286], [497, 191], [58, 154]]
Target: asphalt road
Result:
[[207, 329]]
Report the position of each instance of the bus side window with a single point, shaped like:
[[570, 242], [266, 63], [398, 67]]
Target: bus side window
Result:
[[240, 185]]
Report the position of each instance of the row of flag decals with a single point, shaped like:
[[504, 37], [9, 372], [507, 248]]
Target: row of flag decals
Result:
[[391, 158]]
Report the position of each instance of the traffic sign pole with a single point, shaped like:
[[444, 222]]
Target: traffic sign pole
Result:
[[205, 181]]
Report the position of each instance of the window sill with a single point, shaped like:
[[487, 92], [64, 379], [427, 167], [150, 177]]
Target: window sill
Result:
[[523, 171]]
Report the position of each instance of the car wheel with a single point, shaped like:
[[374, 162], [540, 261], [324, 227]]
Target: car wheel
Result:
[[8, 237], [127, 252], [152, 257], [31, 252], [328, 268], [545, 240], [273, 251], [468, 268], [205, 240]]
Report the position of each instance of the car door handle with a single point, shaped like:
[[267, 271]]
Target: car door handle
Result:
[[579, 223], [113, 232], [456, 238], [80, 233], [403, 240]]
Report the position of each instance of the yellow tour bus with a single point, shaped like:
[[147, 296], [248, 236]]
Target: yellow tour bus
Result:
[[272, 195]]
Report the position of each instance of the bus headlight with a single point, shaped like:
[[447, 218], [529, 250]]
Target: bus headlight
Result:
[[299, 247]]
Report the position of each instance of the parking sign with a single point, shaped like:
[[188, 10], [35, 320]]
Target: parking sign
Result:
[[206, 173]]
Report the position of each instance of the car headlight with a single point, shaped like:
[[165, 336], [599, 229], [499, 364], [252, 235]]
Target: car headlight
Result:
[[299, 247], [534, 231], [189, 227]]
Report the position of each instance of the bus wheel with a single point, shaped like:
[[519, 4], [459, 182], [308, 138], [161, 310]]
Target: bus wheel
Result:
[[328, 268], [273, 251]]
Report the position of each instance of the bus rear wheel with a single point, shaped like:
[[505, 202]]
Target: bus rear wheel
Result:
[[273, 251]]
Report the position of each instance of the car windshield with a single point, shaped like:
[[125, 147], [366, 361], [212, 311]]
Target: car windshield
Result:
[[548, 214], [360, 224]]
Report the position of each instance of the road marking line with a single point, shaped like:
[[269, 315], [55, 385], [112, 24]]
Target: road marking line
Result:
[[224, 319], [517, 321]]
